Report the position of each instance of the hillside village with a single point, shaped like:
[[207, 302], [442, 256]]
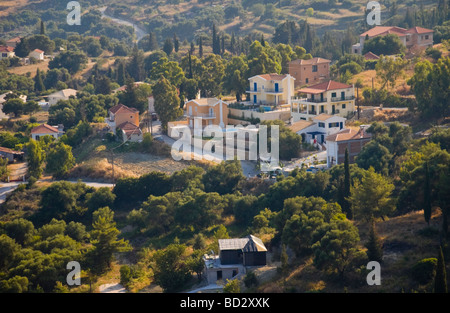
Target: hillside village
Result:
[[135, 155]]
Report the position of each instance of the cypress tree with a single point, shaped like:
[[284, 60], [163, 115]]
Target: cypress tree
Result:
[[215, 41], [427, 196], [42, 28], [223, 45], [192, 50], [176, 43], [233, 43], [121, 74], [346, 204], [200, 47], [38, 82], [374, 247], [440, 281]]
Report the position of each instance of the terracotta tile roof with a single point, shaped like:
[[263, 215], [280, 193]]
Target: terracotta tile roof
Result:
[[38, 51], [129, 128], [371, 56], [15, 39], [349, 134], [6, 49], [384, 30], [120, 108], [272, 76], [7, 150], [44, 129], [323, 117], [299, 125], [312, 61], [325, 86], [420, 30]]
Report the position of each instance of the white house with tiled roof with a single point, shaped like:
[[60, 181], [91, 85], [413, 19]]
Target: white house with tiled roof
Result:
[[351, 139], [45, 129], [36, 54], [271, 89], [6, 52], [64, 94], [329, 97], [318, 128]]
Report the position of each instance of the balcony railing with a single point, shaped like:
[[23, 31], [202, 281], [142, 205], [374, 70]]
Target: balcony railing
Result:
[[268, 90], [336, 99], [202, 115]]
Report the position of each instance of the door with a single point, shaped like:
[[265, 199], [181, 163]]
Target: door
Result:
[[219, 275], [343, 95], [255, 99], [321, 97], [333, 109], [276, 87], [322, 138], [255, 86], [341, 125]]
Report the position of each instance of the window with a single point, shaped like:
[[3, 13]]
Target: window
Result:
[[314, 68], [333, 95], [307, 80], [322, 125], [331, 125], [343, 105], [427, 37], [4, 55]]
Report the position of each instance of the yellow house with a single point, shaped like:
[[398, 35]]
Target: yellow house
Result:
[[120, 114], [212, 111], [271, 89]]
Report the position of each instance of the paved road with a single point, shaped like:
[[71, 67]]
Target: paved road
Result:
[[6, 189], [140, 33]]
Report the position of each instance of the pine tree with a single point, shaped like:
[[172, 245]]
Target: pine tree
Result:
[[440, 281], [38, 82], [427, 196], [346, 208], [374, 246]]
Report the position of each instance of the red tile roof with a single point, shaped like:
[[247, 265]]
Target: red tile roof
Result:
[[272, 76], [120, 108], [129, 128], [349, 134], [312, 61], [7, 150], [44, 129], [420, 30], [371, 56], [325, 86], [6, 49], [384, 30], [38, 51]]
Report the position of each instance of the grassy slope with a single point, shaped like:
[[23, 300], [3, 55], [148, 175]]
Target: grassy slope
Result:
[[406, 239]]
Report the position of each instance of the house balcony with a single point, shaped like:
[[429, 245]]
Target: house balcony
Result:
[[201, 115], [309, 100], [274, 91], [337, 99]]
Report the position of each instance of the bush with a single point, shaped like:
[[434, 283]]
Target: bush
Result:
[[424, 270]]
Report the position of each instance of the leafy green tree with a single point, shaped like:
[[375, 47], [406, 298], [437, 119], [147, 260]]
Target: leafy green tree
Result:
[[170, 269], [59, 160], [346, 208], [232, 286], [389, 70], [102, 197], [169, 69], [223, 178], [384, 45], [429, 86], [21, 230], [211, 76], [338, 249], [15, 106], [73, 61], [9, 250], [104, 238], [35, 159], [167, 102], [371, 196], [235, 78], [376, 156]]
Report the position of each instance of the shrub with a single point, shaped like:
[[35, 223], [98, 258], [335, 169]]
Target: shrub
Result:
[[424, 270]]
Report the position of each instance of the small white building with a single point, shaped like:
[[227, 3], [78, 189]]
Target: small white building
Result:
[[37, 54], [64, 94], [6, 52], [318, 128], [45, 129]]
